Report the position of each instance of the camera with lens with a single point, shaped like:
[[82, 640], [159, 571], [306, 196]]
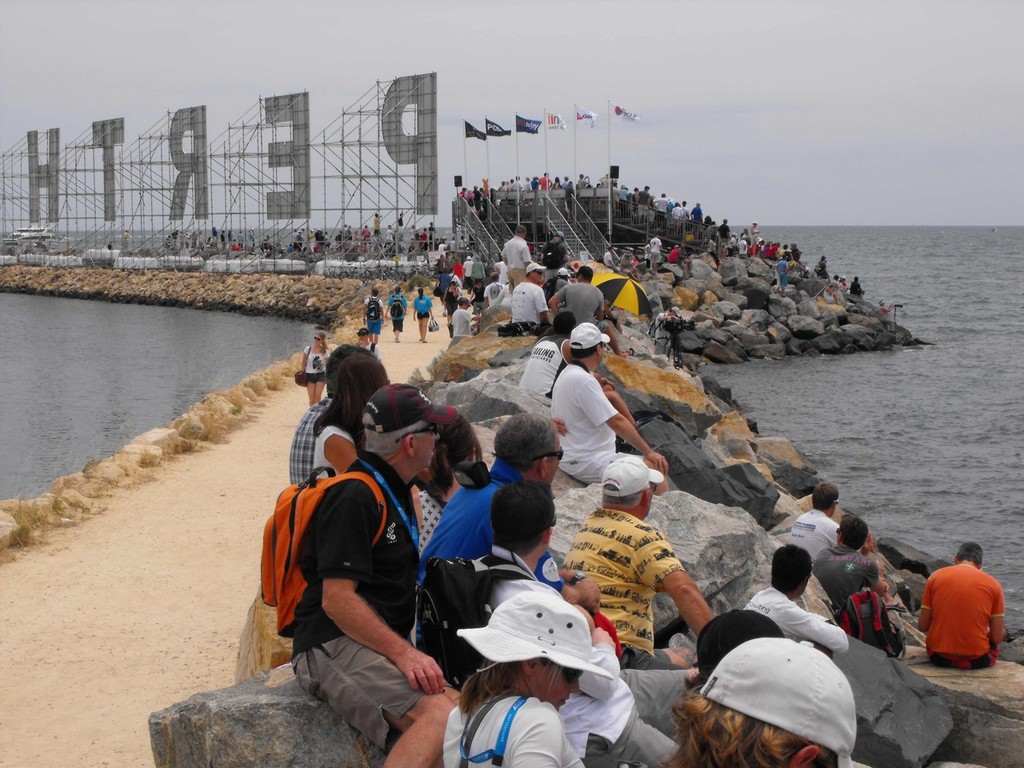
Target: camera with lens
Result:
[[674, 325]]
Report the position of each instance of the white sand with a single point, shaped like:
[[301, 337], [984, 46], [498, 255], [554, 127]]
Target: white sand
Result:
[[141, 605]]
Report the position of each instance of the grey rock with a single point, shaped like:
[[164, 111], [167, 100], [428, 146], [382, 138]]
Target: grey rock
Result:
[[757, 268], [830, 342], [751, 340], [757, 296], [812, 286], [729, 310], [780, 306], [901, 717], [717, 335], [718, 353], [756, 320], [871, 324], [810, 308], [738, 299], [804, 327], [859, 335], [907, 557], [779, 333], [731, 271], [265, 721], [736, 348], [487, 396], [774, 351], [700, 270], [796, 481]]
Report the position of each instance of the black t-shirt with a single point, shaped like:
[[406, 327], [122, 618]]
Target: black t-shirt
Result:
[[339, 544]]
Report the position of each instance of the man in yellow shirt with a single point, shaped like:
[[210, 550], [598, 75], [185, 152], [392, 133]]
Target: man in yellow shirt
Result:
[[630, 560]]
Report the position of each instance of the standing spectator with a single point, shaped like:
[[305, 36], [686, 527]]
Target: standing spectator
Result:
[[782, 268], [365, 342], [515, 255], [423, 305], [373, 312], [962, 612], [493, 291], [314, 363], [397, 307], [451, 303], [460, 322], [528, 305]]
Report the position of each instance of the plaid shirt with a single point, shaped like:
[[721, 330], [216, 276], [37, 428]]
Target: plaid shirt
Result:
[[300, 459]]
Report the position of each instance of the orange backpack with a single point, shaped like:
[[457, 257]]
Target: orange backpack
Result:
[[281, 577]]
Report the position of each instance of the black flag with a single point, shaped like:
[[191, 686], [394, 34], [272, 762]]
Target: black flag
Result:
[[473, 133], [493, 129]]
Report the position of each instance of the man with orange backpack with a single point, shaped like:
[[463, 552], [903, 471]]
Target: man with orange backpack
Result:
[[352, 624]]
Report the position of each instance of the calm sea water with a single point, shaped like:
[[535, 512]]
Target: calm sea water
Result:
[[927, 443], [81, 378]]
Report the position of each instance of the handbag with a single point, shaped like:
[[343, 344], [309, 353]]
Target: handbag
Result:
[[432, 325], [300, 378]]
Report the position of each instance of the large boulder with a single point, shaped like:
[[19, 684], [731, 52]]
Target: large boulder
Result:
[[804, 327], [987, 710], [909, 558], [788, 465], [260, 648], [473, 353], [901, 717], [757, 320], [265, 721], [488, 396], [859, 335], [718, 353], [757, 268], [685, 298], [757, 296], [780, 306], [731, 271]]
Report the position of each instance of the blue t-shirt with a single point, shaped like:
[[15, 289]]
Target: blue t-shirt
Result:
[[465, 527], [422, 304]]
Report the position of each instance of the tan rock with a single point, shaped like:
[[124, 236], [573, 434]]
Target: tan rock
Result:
[[708, 298], [106, 471], [7, 528], [685, 299], [474, 353], [673, 385], [733, 425], [260, 647], [166, 439], [779, 449]]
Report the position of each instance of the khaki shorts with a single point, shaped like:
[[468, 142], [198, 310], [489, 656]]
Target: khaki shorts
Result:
[[358, 684]]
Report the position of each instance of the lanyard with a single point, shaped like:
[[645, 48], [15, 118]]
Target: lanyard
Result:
[[414, 532], [496, 755]]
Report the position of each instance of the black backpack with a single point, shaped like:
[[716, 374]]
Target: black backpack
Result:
[[456, 594], [865, 618], [551, 287], [373, 310], [396, 309]]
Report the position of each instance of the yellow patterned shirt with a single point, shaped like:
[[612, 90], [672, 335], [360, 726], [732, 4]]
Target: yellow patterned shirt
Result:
[[628, 559]]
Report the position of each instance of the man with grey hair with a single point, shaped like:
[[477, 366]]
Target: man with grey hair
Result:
[[631, 560], [352, 624], [526, 447], [962, 612]]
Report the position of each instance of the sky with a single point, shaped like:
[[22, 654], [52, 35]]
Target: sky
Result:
[[788, 112]]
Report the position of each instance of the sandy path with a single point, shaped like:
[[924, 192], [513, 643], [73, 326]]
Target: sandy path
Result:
[[141, 606]]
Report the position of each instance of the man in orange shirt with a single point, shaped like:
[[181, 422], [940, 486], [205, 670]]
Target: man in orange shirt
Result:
[[962, 612]]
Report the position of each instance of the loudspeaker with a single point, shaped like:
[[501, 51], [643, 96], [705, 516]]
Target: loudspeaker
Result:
[[614, 173], [458, 181]]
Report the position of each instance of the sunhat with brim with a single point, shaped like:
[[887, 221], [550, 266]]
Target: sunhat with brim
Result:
[[534, 625], [792, 686]]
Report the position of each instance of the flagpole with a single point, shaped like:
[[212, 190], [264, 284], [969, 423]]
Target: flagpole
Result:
[[487, 146], [465, 167], [575, 119], [609, 166], [516, 182], [546, 131]]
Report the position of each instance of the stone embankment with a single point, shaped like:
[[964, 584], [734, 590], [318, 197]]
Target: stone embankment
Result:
[[308, 298], [736, 494]]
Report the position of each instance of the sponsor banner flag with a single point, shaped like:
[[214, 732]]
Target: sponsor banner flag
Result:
[[625, 114], [474, 133], [556, 123], [493, 129], [586, 116], [526, 125]]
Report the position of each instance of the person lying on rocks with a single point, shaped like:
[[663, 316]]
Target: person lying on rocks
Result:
[[631, 560]]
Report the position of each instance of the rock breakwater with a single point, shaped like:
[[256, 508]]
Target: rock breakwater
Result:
[[309, 298]]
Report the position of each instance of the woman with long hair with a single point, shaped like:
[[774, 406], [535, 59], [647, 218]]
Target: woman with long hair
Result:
[[535, 647], [314, 363], [769, 703], [339, 430], [456, 442], [422, 304]]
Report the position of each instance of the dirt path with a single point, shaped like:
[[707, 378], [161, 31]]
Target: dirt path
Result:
[[141, 606]]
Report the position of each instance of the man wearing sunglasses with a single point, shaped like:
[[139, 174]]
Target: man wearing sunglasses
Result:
[[352, 624]]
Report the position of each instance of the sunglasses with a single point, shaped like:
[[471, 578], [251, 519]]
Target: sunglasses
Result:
[[569, 675], [550, 455], [429, 429]]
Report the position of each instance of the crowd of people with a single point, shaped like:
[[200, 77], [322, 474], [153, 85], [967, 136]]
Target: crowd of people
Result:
[[572, 672]]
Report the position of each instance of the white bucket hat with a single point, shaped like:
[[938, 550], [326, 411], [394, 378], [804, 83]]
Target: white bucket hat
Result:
[[534, 625], [789, 685]]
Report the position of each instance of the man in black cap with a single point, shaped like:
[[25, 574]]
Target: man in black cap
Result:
[[352, 625]]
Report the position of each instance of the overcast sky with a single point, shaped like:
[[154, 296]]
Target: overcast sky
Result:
[[787, 112]]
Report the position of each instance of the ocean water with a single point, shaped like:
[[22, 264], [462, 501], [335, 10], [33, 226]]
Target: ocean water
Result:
[[81, 378], [926, 443]]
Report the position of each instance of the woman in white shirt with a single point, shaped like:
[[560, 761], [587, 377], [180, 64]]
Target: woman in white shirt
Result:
[[538, 646], [339, 430]]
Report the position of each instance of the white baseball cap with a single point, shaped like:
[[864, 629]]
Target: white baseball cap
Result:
[[628, 475], [533, 266], [587, 336], [536, 625], [789, 685]]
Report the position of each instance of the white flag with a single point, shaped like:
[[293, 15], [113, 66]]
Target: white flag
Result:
[[555, 122], [625, 114], [585, 115]]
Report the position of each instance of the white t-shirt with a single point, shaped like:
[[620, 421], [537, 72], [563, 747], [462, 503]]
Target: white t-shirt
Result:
[[461, 321], [528, 303], [814, 531], [319, 459], [374, 349], [589, 443], [516, 253], [796, 623], [502, 273], [542, 367], [493, 293], [655, 247]]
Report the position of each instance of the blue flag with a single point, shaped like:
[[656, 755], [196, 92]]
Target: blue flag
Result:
[[526, 125]]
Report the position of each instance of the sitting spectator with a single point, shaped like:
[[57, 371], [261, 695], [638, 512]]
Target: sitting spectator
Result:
[[723, 633], [791, 571], [586, 302], [816, 530], [546, 358], [538, 646], [962, 612], [843, 570], [456, 442], [770, 703], [856, 289], [339, 430], [631, 561]]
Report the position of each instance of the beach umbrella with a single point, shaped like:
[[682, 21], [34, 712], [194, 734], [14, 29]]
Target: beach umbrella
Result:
[[623, 292]]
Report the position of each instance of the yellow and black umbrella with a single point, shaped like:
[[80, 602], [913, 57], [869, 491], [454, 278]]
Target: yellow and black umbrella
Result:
[[623, 292]]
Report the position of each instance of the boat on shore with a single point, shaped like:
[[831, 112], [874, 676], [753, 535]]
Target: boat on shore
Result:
[[33, 235]]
